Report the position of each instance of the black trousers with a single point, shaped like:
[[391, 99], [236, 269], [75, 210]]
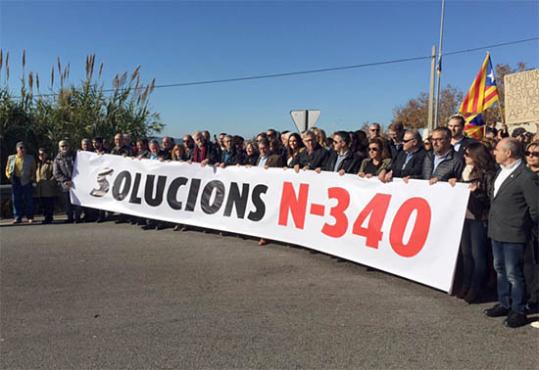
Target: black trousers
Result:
[[72, 211], [47, 205]]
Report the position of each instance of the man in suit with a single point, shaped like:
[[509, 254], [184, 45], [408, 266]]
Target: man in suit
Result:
[[341, 159], [266, 158], [458, 140], [314, 154], [513, 212], [409, 161], [21, 171], [442, 163]]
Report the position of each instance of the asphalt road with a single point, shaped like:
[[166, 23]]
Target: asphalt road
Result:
[[113, 296]]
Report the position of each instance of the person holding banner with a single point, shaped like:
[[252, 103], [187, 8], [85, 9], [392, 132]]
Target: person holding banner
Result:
[[203, 152], [443, 163], [379, 159], [341, 159], [63, 172], [313, 156], [409, 161], [229, 156], [293, 148], [513, 213]]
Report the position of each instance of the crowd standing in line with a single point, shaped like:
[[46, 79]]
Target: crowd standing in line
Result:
[[500, 230]]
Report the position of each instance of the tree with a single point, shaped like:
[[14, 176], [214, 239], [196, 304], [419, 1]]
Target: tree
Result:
[[414, 114], [73, 112]]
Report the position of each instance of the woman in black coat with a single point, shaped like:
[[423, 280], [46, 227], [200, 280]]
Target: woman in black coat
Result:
[[480, 172]]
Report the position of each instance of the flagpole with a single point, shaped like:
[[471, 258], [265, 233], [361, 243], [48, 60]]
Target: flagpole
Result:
[[439, 67]]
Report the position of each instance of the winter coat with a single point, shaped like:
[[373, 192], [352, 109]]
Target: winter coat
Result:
[[47, 186]]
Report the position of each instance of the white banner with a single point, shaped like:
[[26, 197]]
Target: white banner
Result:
[[412, 230]]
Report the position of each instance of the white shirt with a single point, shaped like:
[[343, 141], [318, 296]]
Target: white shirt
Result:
[[457, 144], [262, 161], [504, 174]]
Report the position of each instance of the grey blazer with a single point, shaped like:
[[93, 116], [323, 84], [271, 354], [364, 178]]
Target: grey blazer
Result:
[[514, 210]]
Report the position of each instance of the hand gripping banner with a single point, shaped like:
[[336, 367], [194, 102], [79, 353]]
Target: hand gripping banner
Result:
[[412, 230]]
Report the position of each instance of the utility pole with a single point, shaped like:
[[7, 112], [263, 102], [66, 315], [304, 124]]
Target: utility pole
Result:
[[439, 67], [430, 118]]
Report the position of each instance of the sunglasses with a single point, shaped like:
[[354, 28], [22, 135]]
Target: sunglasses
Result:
[[407, 141], [533, 154], [373, 149]]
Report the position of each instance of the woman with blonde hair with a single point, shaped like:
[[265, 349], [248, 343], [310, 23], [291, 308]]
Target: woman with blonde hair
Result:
[[321, 137]]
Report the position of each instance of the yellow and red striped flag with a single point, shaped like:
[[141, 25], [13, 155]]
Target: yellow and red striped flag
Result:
[[483, 92]]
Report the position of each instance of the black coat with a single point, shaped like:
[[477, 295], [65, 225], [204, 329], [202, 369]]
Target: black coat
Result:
[[514, 210], [235, 157], [350, 164], [463, 144], [313, 160], [449, 168], [250, 160], [123, 150], [413, 168], [211, 154], [479, 201]]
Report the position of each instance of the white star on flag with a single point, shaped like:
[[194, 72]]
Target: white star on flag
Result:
[[491, 76]]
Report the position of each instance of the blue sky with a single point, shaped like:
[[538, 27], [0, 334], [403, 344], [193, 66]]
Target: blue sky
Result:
[[190, 41]]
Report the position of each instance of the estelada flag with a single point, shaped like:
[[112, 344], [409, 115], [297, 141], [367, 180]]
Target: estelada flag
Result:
[[483, 92], [474, 126]]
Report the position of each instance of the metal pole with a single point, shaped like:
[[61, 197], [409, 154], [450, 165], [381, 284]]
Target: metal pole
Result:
[[430, 118], [437, 107]]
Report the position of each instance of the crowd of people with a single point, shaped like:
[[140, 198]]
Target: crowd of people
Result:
[[502, 170]]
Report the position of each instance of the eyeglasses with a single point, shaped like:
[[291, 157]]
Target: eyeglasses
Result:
[[373, 149], [407, 141], [532, 154]]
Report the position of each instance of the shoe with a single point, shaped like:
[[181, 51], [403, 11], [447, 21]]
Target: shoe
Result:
[[262, 242], [160, 227], [497, 311], [515, 320], [147, 227], [177, 227], [120, 221], [68, 221], [184, 228], [100, 220], [46, 222], [16, 221], [30, 220]]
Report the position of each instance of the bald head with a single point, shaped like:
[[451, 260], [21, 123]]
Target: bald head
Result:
[[508, 150]]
